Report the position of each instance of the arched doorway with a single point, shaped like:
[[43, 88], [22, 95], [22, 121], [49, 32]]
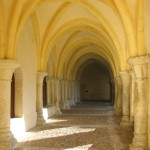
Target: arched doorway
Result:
[[16, 94], [12, 108], [44, 92], [96, 83]]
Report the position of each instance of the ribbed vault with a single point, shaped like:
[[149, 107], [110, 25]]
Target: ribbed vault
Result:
[[111, 26]]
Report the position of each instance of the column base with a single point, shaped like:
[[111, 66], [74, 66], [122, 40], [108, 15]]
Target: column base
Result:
[[118, 111], [57, 110], [76, 100], [66, 106], [132, 121], [125, 122], [7, 140], [140, 142], [40, 120], [72, 103]]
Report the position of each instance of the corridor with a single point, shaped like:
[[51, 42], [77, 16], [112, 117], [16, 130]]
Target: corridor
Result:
[[88, 126]]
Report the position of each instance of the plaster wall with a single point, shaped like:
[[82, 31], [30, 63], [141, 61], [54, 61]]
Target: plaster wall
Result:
[[26, 56], [95, 84]]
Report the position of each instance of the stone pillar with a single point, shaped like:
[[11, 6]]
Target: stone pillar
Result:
[[7, 140], [140, 67], [132, 96], [118, 110], [78, 92], [39, 102], [69, 93], [57, 96], [73, 95], [62, 94], [126, 82], [115, 92], [66, 96]]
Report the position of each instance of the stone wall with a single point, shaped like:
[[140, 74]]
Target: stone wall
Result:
[[95, 84]]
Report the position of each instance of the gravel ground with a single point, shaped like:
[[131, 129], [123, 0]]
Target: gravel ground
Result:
[[84, 127]]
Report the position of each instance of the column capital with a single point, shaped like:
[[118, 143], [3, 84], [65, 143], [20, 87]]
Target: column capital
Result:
[[140, 66], [40, 76], [125, 77], [140, 60], [7, 67], [132, 74]]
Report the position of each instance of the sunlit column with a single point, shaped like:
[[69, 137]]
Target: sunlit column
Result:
[[118, 110], [39, 102], [132, 97], [140, 67], [7, 140], [126, 83]]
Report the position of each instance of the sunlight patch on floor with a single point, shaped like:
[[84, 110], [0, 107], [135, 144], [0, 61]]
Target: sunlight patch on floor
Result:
[[85, 147], [57, 132]]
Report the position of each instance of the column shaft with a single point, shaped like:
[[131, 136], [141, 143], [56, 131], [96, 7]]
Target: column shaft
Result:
[[140, 67], [39, 102], [126, 99], [118, 110], [7, 140]]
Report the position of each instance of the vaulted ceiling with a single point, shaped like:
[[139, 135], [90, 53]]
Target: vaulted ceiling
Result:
[[65, 31]]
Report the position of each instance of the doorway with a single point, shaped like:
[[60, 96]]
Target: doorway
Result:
[[12, 104]]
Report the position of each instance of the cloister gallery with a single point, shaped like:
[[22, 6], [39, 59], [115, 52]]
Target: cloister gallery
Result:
[[56, 53]]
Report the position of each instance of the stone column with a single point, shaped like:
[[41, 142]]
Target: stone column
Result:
[[118, 110], [7, 140], [62, 94], [116, 91], [66, 96], [73, 95], [69, 93], [57, 96], [132, 96], [126, 82], [140, 67], [39, 101], [78, 91]]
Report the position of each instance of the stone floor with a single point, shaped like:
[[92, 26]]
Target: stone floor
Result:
[[87, 126]]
